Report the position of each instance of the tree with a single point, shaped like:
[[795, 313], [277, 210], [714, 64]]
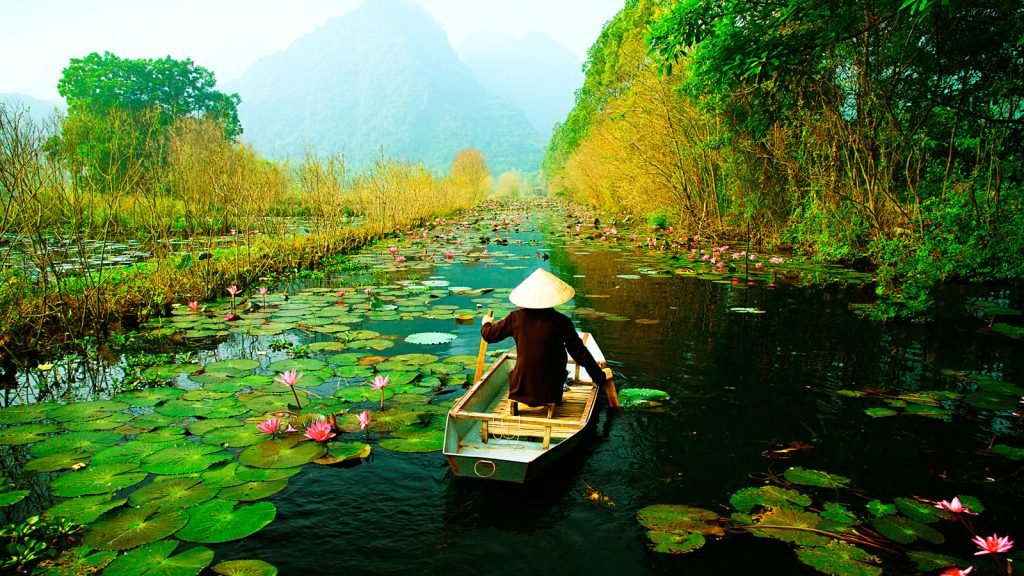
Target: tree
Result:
[[120, 110], [509, 184], [469, 172]]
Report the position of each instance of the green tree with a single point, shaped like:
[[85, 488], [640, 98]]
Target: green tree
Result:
[[120, 110]]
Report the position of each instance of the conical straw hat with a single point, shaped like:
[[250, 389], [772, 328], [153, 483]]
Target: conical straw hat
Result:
[[542, 289]]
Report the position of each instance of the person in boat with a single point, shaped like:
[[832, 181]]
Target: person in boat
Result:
[[543, 336]]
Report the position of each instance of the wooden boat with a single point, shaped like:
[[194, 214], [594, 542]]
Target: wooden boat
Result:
[[487, 437]]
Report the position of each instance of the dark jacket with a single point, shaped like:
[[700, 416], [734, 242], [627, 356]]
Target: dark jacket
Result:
[[542, 338]]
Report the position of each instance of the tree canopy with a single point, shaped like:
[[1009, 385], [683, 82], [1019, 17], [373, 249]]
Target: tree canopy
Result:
[[173, 88]]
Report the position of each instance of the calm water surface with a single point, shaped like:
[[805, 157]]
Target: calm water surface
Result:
[[741, 385]]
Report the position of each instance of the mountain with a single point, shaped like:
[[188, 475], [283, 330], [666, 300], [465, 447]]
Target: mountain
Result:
[[38, 109], [535, 72], [380, 79]]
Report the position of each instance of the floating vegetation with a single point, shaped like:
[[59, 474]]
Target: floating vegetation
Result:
[[641, 397], [821, 526]]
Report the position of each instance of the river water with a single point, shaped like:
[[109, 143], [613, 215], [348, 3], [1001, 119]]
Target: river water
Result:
[[745, 388]]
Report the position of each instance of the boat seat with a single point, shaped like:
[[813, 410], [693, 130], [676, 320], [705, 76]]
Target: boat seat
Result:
[[513, 408]]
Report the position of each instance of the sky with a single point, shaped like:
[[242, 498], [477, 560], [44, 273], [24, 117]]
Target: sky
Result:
[[227, 36]]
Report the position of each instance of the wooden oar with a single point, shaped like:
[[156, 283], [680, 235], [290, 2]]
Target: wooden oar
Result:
[[610, 391], [482, 354]]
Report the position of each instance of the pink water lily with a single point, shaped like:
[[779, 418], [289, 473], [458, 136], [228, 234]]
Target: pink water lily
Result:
[[393, 250], [776, 260], [263, 292], [272, 426], [954, 506], [234, 291], [319, 431], [379, 383], [194, 305], [954, 571], [399, 259], [367, 291], [992, 544], [364, 422], [290, 378], [449, 255]]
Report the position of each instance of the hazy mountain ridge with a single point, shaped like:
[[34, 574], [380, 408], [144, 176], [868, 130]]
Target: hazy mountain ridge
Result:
[[535, 72], [39, 109], [380, 79]]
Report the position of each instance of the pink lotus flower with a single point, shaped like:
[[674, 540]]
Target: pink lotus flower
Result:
[[194, 305], [319, 431], [272, 426], [759, 265], [364, 419], [393, 250], [379, 383], [992, 544], [233, 231], [234, 291], [955, 507], [776, 260], [485, 252], [367, 291], [954, 571], [263, 290], [290, 378], [341, 293], [449, 255], [231, 317], [399, 259]]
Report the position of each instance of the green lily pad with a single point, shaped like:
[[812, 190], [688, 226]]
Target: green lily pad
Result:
[[904, 530], [790, 525], [27, 433], [916, 510], [12, 497], [425, 440], [254, 490], [81, 411], [346, 358], [155, 420], [148, 397], [363, 393], [54, 462], [133, 527], [84, 509], [430, 338], [879, 509], [129, 452], [156, 560], [281, 453], [236, 364], [798, 475], [168, 371], [222, 475], [245, 568], [641, 397], [300, 364], [840, 559], [173, 492], [839, 515], [1006, 451], [746, 499], [338, 452], [675, 543], [679, 518], [97, 480], [162, 435], [219, 521], [183, 459], [354, 371], [266, 474], [109, 422], [201, 427], [26, 413], [929, 561], [81, 560], [233, 437]]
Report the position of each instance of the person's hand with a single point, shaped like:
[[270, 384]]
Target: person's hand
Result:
[[488, 319]]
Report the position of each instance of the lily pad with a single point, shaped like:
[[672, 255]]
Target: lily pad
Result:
[[798, 475], [133, 527], [641, 397], [245, 568], [904, 530], [12, 497], [55, 462], [840, 559], [234, 437], [430, 338], [173, 492], [27, 433], [790, 525], [281, 453], [254, 490], [746, 499], [97, 480], [425, 440], [129, 452], [108, 422], [84, 509], [222, 475], [300, 364], [679, 518], [201, 427], [156, 560], [26, 412], [675, 543], [148, 396], [183, 459], [243, 364], [338, 452], [220, 521], [879, 412], [266, 474]]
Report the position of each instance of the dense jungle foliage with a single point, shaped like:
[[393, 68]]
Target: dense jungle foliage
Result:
[[885, 133]]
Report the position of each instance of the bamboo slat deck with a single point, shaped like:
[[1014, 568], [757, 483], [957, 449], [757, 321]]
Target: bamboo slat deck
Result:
[[567, 419]]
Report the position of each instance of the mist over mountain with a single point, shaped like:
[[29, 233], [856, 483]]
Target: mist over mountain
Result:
[[38, 109], [535, 72], [380, 79]]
